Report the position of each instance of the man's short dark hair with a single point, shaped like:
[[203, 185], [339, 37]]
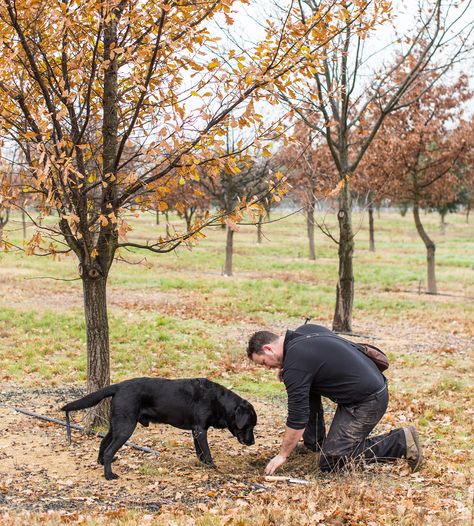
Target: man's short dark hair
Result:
[[258, 340]]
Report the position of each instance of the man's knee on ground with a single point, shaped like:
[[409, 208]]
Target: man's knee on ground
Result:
[[334, 458], [331, 463]]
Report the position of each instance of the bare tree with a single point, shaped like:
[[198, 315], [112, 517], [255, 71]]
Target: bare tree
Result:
[[337, 102]]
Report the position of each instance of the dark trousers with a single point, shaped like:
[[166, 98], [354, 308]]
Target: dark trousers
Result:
[[347, 442]]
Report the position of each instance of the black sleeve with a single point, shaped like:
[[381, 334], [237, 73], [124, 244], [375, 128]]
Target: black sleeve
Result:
[[298, 385]]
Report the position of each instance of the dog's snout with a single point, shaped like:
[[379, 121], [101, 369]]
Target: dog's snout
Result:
[[246, 440]]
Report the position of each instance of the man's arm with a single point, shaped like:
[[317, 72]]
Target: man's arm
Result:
[[297, 384], [290, 439]]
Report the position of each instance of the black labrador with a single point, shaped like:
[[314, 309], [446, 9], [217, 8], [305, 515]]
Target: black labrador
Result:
[[195, 404]]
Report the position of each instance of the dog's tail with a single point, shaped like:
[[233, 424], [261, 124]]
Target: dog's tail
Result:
[[89, 400]]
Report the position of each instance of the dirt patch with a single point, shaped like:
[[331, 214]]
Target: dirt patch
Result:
[[185, 306], [40, 472], [44, 479]]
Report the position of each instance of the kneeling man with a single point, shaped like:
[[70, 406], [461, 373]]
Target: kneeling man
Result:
[[315, 362]]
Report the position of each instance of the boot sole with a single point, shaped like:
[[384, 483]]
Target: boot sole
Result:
[[415, 465]]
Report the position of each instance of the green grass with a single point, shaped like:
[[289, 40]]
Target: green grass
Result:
[[50, 344], [177, 316], [274, 284]]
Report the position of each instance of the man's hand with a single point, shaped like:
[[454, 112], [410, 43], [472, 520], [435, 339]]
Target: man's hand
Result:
[[274, 464], [290, 439]]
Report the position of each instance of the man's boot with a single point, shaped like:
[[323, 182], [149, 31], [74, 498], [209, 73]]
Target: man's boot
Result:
[[413, 453]]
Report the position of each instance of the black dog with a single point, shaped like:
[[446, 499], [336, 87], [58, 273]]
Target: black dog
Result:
[[196, 404]]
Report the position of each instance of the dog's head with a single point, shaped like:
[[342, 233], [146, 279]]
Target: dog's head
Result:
[[243, 422]]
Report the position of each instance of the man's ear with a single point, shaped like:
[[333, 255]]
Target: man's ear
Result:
[[240, 416], [267, 348]]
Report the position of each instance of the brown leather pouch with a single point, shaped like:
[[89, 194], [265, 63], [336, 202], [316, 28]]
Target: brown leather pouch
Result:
[[375, 354]]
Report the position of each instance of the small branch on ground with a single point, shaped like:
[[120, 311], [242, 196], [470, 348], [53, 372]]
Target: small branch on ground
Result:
[[75, 426]]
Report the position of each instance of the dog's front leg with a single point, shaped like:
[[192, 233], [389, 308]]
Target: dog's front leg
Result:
[[202, 447]]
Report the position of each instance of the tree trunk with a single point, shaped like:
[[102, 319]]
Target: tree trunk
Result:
[[310, 230], [168, 231], [442, 224], [4, 216], [188, 217], [259, 229], [23, 223], [371, 229], [97, 330], [157, 217], [342, 320], [467, 212], [229, 251], [94, 271], [430, 251]]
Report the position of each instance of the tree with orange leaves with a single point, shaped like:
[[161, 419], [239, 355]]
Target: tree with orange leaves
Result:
[[466, 169], [310, 172], [188, 199], [9, 189], [227, 190], [420, 152], [4, 208], [107, 98]]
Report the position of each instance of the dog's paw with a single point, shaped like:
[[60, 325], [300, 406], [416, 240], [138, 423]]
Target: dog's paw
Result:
[[207, 462], [112, 476]]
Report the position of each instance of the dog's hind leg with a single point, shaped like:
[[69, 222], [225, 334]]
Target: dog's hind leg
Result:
[[103, 446], [122, 431], [202, 447]]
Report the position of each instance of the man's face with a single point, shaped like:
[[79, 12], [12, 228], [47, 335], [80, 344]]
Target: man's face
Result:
[[268, 359]]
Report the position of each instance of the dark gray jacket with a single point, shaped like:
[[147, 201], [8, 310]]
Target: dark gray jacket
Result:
[[317, 361]]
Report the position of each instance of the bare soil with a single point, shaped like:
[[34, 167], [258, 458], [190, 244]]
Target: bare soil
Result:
[[41, 477], [45, 481]]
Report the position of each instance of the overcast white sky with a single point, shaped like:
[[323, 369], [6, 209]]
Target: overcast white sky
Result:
[[250, 20]]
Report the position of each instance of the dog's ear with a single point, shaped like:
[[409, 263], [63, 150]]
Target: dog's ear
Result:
[[241, 416]]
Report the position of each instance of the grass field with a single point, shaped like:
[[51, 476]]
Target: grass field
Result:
[[176, 315]]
